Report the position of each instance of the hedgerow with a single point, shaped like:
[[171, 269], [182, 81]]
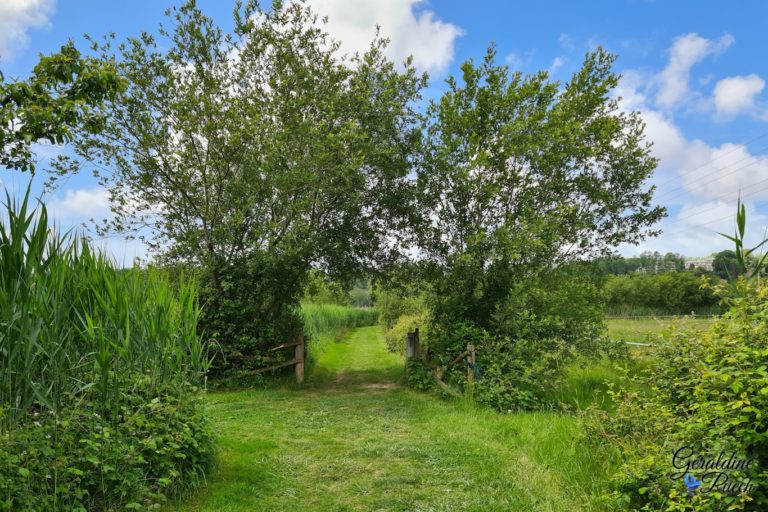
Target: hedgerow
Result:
[[707, 394]]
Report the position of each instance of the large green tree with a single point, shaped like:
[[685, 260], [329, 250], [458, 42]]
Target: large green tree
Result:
[[256, 155], [65, 93], [521, 177]]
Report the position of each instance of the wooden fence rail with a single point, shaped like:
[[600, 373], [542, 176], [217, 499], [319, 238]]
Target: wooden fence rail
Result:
[[413, 351], [298, 360]]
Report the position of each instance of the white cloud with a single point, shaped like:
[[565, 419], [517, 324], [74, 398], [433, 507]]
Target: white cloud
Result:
[[686, 51], [421, 34], [80, 204], [699, 182], [558, 62], [566, 42], [695, 229], [707, 172], [16, 18], [736, 94]]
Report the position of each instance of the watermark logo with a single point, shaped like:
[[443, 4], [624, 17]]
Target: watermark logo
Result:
[[691, 483], [726, 472]]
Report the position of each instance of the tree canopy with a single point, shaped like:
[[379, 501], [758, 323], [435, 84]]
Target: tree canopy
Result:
[[264, 139], [64, 95], [521, 174], [258, 154], [255, 155]]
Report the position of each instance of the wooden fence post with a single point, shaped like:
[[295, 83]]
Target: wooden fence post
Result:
[[298, 355], [412, 348], [470, 368]]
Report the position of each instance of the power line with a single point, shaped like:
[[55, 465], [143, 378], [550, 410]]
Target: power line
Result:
[[722, 198], [729, 216], [665, 197], [719, 157]]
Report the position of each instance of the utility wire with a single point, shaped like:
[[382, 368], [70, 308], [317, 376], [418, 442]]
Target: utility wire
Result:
[[718, 158], [666, 197]]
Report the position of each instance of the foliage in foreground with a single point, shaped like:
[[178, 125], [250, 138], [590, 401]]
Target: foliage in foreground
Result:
[[707, 391], [706, 398], [65, 94], [101, 381]]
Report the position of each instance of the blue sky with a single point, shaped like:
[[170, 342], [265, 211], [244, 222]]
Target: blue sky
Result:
[[695, 70]]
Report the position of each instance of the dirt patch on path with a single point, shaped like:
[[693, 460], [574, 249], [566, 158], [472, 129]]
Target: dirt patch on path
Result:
[[388, 385]]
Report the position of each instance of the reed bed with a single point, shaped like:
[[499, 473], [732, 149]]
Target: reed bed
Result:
[[87, 349], [328, 318]]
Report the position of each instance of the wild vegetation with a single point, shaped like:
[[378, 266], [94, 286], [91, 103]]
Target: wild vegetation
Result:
[[309, 192], [703, 397], [102, 377], [670, 293]]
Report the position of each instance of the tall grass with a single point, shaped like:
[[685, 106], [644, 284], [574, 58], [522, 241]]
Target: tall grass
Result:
[[70, 321], [325, 322], [324, 318]]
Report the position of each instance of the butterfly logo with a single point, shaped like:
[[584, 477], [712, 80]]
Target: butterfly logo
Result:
[[691, 483]]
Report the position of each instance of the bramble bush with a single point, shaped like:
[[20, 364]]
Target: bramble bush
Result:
[[706, 390], [537, 327], [158, 447], [101, 377], [706, 393]]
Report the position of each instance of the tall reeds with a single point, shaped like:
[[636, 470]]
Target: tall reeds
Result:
[[325, 318], [70, 321]]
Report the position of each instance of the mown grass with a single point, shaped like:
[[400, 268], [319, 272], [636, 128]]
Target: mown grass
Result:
[[326, 324], [353, 439]]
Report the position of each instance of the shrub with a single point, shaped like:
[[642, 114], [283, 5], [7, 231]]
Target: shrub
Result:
[[101, 382], [77, 460], [395, 336], [707, 391], [537, 325], [395, 303], [668, 293], [249, 306], [419, 375]]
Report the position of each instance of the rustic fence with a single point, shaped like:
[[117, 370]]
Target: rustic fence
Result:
[[299, 353], [413, 351]]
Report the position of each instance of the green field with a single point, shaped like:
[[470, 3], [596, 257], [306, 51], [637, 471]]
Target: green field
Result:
[[647, 329], [353, 439]]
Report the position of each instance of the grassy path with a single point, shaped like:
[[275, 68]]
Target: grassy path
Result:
[[355, 440]]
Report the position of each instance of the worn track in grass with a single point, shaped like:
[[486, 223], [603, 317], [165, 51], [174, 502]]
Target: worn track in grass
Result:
[[353, 439]]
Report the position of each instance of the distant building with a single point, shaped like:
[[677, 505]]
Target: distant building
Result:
[[701, 263]]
